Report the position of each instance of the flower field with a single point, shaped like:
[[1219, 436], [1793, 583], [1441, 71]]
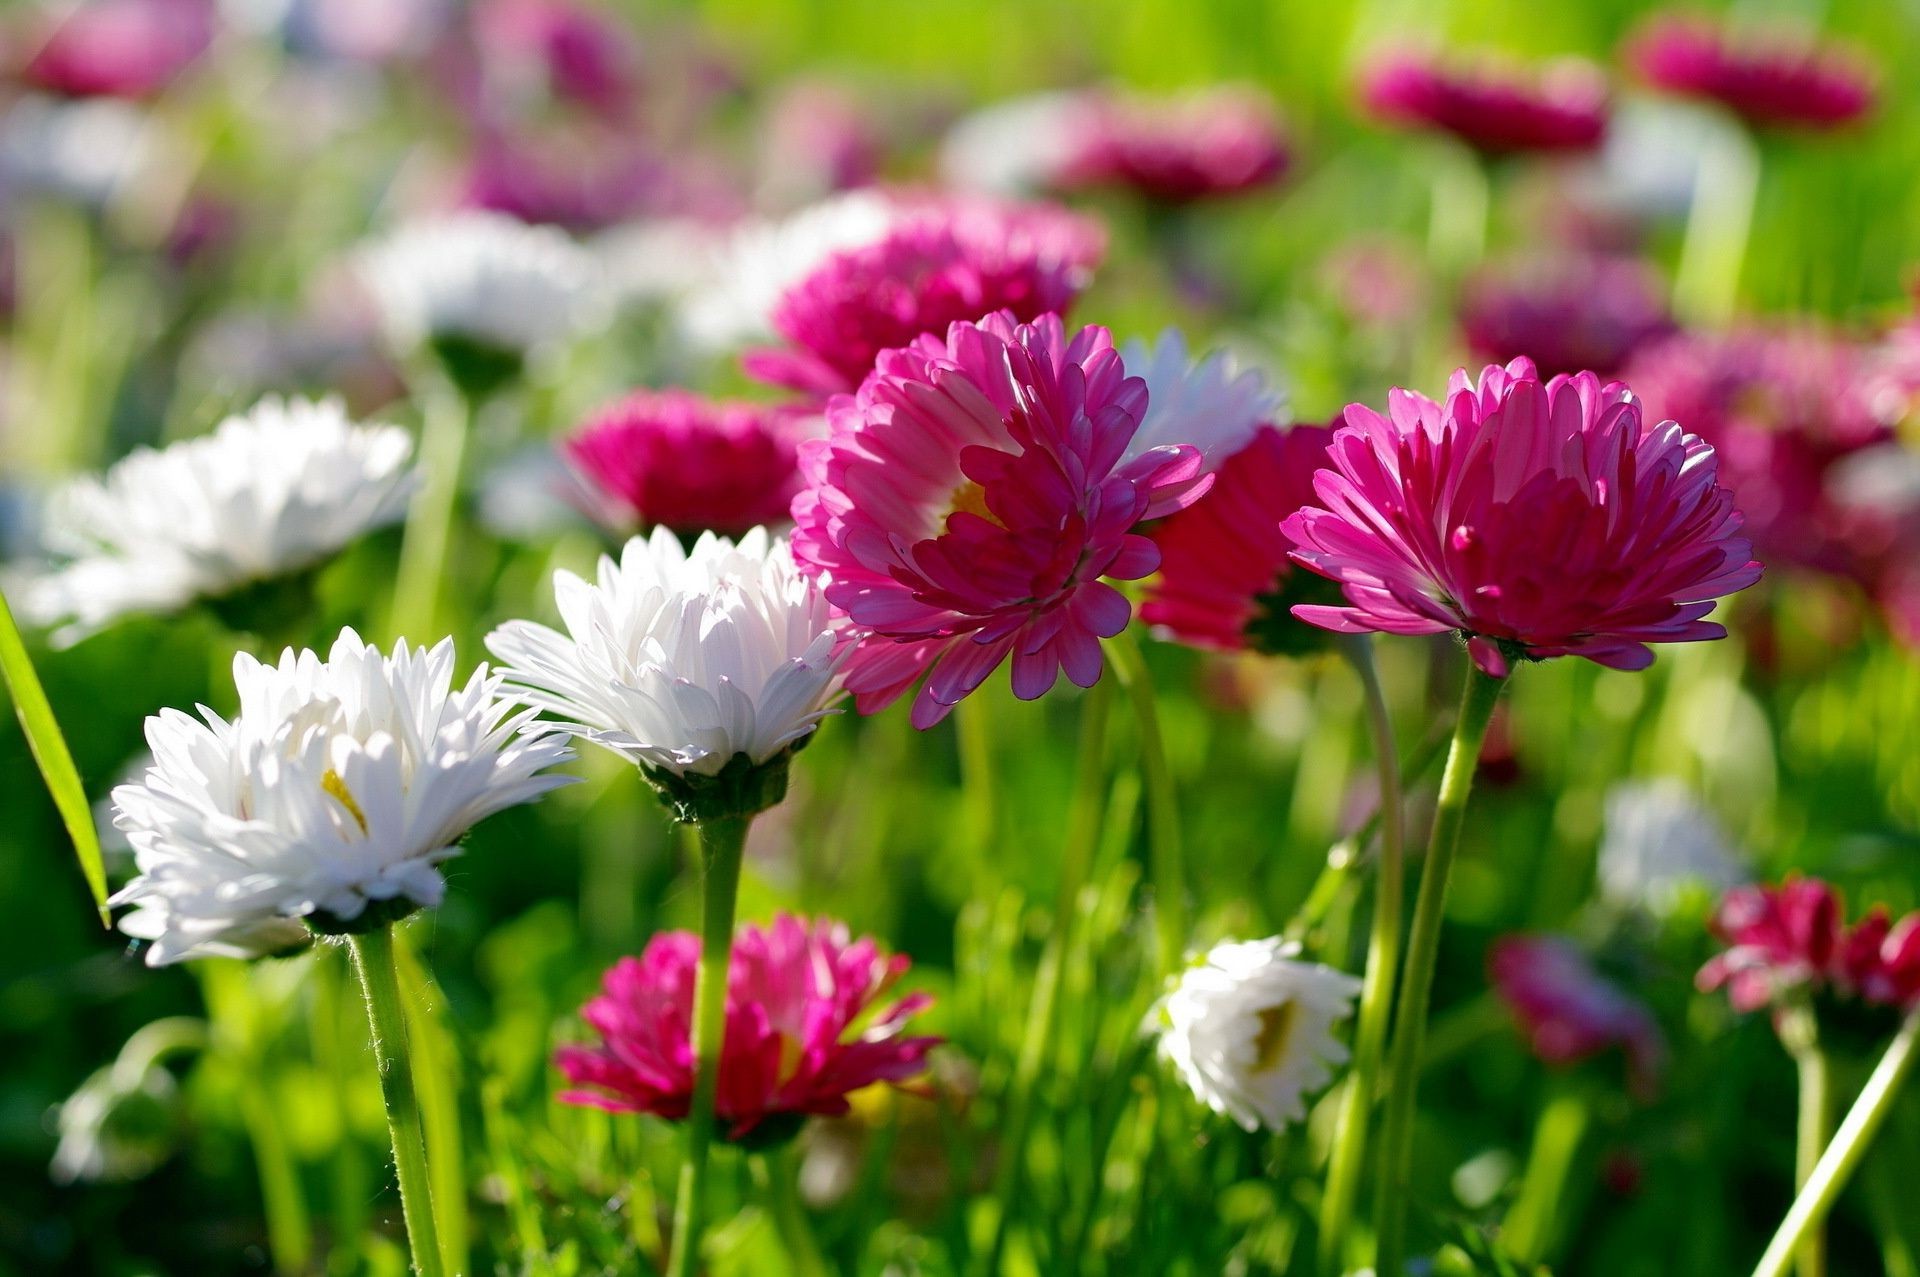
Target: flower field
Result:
[[767, 639]]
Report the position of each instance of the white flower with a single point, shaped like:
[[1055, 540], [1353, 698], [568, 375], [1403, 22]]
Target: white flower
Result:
[[681, 661], [89, 150], [1211, 404], [1250, 1029], [264, 495], [1659, 840], [337, 784], [482, 276], [1021, 145], [747, 277]]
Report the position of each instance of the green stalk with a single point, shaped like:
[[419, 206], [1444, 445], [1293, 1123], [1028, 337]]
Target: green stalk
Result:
[[418, 579], [1843, 1155], [1165, 852], [776, 1174], [1529, 1229], [723, 839], [289, 1229], [1706, 285], [386, 1016], [1814, 1128], [1477, 700], [1349, 1155], [1036, 1044]]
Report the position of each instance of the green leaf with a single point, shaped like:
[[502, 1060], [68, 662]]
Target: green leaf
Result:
[[50, 752]]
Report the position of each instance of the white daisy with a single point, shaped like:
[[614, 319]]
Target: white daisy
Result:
[[1211, 404], [338, 784], [88, 150], [1019, 146], [483, 277], [1250, 1029], [265, 495], [1660, 840], [683, 661]]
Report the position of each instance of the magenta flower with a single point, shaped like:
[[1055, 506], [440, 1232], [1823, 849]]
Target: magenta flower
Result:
[[1565, 313], [1218, 141], [968, 502], [1777, 79], [807, 1025], [1792, 940], [941, 261], [554, 49], [1494, 107], [119, 48], [1568, 1012], [1226, 580], [582, 177], [691, 464], [1538, 519]]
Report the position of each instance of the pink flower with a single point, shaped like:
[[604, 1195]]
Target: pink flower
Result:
[[119, 48], [1540, 519], [968, 501], [1218, 141], [1491, 106], [538, 49], [805, 1028], [1565, 313], [1568, 1012], [1226, 579], [581, 177], [1776, 79], [941, 261], [675, 459], [1792, 938]]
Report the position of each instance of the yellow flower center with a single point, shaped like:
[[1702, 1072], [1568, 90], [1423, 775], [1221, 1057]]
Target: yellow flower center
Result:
[[1276, 1026], [972, 498], [337, 788]]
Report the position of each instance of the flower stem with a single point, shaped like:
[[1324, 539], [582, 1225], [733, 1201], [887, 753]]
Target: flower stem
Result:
[[1477, 700], [1383, 959], [1036, 1044], [445, 421], [386, 1016], [776, 1174], [1800, 1032], [1843, 1155], [1529, 1229], [1706, 285], [722, 842], [1166, 854]]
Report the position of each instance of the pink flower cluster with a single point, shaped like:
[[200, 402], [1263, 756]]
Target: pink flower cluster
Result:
[[1778, 79], [1538, 518], [1792, 939], [1493, 107], [1586, 312], [806, 1025], [1215, 142], [1568, 1011]]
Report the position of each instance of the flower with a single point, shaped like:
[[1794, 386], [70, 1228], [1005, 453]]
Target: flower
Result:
[[1249, 1028], [118, 48], [1568, 1012], [1226, 579], [968, 500], [1791, 940], [1565, 313], [1772, 79], [670, 457], [1538, 519], [685, 661], [88, 150], [807, 1025], [1211, 404], [537, 49], [482, 278], [1022, 145], [939, 262], [332, 796], [265, 496], [1217, 141], [580, 177], [1658, 842], [1491, 106]]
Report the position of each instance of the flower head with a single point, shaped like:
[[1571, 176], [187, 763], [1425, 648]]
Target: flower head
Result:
[[1791, 940], [671, 457], [1565, 313], [558, 50], [1218, 141], [264, 496], [1567, 1011], [685, 661], [1659, 840], [807, 1024], [939, 262], [1493, 107], [1774, 79], [968, 500], [1023, 145], [1249, 1027], [119, 48], [333, 795], [1539, 519]]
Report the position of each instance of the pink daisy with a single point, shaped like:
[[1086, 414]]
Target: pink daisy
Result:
[[807, 1025], [1538, 519], [1218, 141], [969, 500], [555, 49], [1491, 106], [675, 459], [119, 48], [1776, 79], [939, 262], [1565, 313], [1568, 1011]]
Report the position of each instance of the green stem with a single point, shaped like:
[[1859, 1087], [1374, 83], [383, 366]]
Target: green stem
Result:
[[1477, 700], [973, 720], [777, 1175], [1036, 1044], [1813, 1130], [1850, 1144], [428, 532], [1166, 853], [386, 1016], [1706, 285], [1529, 1229], [1383, 961], [722, 842]]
